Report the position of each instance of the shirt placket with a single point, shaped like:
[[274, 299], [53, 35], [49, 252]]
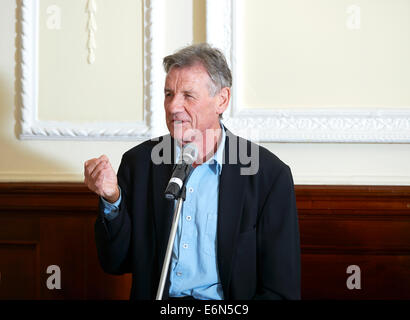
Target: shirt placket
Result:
[[185, 248]]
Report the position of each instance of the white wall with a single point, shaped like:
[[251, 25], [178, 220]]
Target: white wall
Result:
[[373, 164]]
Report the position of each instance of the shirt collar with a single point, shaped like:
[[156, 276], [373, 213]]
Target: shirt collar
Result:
[[217, 159]]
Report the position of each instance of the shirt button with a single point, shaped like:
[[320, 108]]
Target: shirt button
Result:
[[185, 246], [191, 189], [189, 218], [179, 274]]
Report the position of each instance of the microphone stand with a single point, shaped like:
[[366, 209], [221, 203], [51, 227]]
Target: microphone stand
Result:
[[171, 239]]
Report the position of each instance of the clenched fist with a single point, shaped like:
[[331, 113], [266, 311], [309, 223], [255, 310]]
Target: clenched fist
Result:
[[100, 177]]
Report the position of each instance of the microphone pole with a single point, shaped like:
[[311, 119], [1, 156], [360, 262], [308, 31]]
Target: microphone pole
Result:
[[176, 190], [171, 240]]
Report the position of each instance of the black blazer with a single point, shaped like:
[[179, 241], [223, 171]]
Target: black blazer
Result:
[[258, 246]]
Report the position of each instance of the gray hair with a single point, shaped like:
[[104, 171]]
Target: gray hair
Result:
[[212, 59]]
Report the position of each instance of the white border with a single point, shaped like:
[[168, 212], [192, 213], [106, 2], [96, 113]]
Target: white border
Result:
[[370, 125], [33, 128]]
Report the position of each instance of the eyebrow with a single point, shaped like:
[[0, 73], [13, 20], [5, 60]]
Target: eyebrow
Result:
[[189, 91]]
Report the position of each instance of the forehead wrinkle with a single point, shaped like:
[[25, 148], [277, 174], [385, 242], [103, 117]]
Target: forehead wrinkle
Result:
[[186, 77]]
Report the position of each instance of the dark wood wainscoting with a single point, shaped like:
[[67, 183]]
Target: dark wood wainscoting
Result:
[[52, 224], [342, 226], [44, 224]]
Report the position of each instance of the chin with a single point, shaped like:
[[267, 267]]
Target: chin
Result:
[[177, 136]]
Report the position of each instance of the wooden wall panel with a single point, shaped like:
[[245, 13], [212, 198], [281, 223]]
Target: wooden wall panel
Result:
[[367, 226], [59, 218], [44, 224], [66, 234], [19, 276], [382, 276]]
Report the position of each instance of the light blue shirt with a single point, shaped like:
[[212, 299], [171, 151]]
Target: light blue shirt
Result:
[[194, 268]]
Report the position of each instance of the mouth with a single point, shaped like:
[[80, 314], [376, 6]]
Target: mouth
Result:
[[179, 122]]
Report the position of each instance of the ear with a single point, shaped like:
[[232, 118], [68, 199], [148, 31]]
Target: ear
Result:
[[224, 96]]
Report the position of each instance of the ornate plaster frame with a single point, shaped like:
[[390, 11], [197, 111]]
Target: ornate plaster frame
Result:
[[370, 125], [33, 128]]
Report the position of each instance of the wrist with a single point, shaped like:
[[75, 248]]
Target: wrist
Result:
[[113, 198]]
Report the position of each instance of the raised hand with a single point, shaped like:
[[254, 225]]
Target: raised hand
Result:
[[100, 177]]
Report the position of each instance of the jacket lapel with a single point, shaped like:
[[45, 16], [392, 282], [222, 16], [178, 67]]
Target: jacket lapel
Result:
[[230, 203], [163, 209]]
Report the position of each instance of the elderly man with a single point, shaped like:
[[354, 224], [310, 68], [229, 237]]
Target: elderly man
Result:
[[238, 235]]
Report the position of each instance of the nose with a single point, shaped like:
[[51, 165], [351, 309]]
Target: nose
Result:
[[174, 104]]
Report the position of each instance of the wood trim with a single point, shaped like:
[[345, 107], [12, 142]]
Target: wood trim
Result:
[[20, 196], [45, 197], [353, 201]]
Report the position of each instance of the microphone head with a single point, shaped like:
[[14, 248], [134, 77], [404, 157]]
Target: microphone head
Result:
[[189, 153]]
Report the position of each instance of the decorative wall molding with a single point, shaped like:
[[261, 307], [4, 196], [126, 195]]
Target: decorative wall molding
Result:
[[154, 42], [380, 125], [33, 128], [92, 29]]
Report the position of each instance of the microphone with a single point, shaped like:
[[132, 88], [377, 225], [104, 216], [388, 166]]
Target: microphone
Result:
[[182, 171]]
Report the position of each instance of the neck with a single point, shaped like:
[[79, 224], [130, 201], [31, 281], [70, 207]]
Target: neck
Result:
[[208, 146]]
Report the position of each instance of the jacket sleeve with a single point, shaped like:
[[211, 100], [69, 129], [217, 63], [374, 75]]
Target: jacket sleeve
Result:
[[112, 236], [278, 242]]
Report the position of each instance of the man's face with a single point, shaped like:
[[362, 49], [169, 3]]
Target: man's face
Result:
[[189, 107]]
